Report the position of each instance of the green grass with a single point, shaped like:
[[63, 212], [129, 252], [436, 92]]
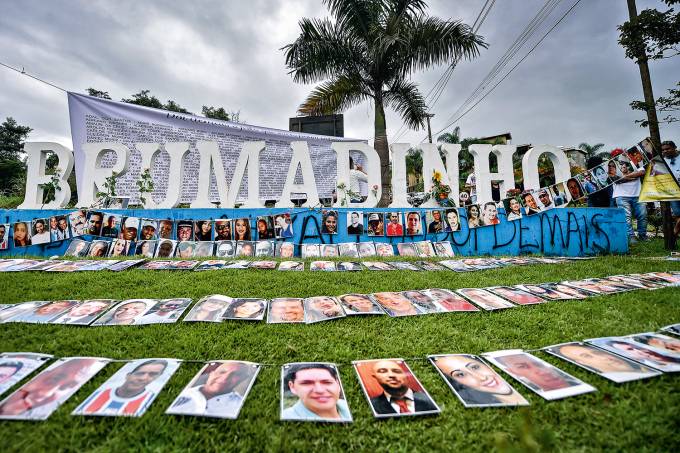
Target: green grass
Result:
[[635, 416]]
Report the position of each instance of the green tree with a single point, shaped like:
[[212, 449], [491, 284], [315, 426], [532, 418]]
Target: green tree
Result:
[[98, 94], [215, 113], [147, 100], [12, 167], [368, 53], [591, 150]]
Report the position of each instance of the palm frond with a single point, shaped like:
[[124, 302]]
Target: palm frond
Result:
[[405, 98], [334, 96], [355, 15]]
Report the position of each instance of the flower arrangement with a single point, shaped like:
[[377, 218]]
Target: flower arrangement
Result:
[[440, 192]]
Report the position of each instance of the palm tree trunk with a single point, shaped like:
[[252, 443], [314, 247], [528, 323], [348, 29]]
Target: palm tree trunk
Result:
[[381, 147]]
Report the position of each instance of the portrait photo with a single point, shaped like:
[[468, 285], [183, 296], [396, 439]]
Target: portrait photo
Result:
[[449, 301], [329, 222], [452, 218], [204, 249], [112, 225], [185, 230], [435, 221], [120, 247], [95, 223], [211, 265], [638, 352], [149, 230], [41, 396], [484, 298], [355, 222], [328, 250], [407, 249], [585, 179], [16, 311], [377, 266], [245, 248], [474, 216], [77, 221], [395, 226], [181, 265], [376, 225], [217, 391], [328, 266], [16, 366], [658, 342], [285, 249], [513, 208], [443, 248], [359, 304], [392, 390], [264, 248], [637, 157], [131, 390], [84, 313], [414, 225], [4, 236], [530, 202], [600, 175], [537, 375], [404, 266], [77, 247], [238, 264], [286, 310], [21, 234], [349, 266], [366, 249], [126, 313], [489, 215], [59, 229], [349, 249], [559, 194], [310, 250], [99, 248], [575, 190], [263, 265], [429, 266], [203, 230], [515, 295], [225, 249], [283, 226], [545, 200], [129, 228], [164, 311], [185, 249], [292, 266], [165, 229], [166, 248], [474, 382], [249, 309], [223, 230], [396, 304], [265, 228], [422, 301], [313, 392], [610, 366], [322, 308], [425, 249], [209, 309], [383, 249]]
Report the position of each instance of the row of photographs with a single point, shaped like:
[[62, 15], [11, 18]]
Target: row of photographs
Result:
[[313, 391], [292, 310], [458, 265]]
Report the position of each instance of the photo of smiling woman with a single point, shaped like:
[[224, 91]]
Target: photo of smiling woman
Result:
[[513, 208], [313, 392], [474, 382], [249, 309], [242, 230], [120, 247], [22, 237], [474, 219], [203, 230]]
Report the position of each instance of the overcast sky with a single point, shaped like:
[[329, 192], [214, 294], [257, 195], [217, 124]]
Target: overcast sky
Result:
[[575, 87]]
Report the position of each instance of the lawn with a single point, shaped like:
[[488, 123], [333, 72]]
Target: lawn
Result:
[[635, 416]]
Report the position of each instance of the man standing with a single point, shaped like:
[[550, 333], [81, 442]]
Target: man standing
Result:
[[357, 179], [397, 396], [672, 158], [626, 192]]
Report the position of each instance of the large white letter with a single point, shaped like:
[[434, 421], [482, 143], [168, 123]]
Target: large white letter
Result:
[[94, 176], [483, 174], [176, 151], [308, 186], [211, 159], [36, 157], [372, 170], [559, 160], [399, 151], [250, 156], [432, 162]]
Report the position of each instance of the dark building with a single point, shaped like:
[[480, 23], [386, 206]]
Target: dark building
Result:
[[332, 125]]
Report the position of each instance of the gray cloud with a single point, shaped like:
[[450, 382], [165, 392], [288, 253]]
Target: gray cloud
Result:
[[575, 87]]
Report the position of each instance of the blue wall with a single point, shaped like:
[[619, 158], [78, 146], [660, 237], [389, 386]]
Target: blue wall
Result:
[[562, 231]]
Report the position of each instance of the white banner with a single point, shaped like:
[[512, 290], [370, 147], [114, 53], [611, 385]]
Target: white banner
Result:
[[95, 120]]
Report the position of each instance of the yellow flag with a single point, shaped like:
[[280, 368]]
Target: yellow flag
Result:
[[659, 183]]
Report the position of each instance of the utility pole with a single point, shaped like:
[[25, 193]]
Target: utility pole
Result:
[[645, 78], [429, 130]]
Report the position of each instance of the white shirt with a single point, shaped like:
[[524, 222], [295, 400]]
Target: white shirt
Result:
[[356, 177], [192, 401], [408, 397], [675, 166], [41, 238], [627, 189], [472, 181]]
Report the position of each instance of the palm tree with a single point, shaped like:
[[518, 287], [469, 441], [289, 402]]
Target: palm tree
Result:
[[368, 53], [590, 150], [450, 137]]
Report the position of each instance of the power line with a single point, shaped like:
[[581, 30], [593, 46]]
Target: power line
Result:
[[23, 72], [512, 69]]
